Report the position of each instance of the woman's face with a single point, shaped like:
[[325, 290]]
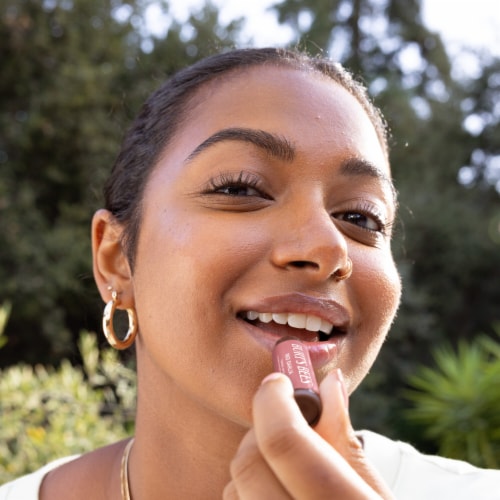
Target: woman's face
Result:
[[275, 179]]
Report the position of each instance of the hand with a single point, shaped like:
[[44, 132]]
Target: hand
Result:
[[281, 457]]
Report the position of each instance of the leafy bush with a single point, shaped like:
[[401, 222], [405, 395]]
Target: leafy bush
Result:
[[48, 413], [458, 403]]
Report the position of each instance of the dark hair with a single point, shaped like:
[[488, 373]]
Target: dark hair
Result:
[[164, 111]]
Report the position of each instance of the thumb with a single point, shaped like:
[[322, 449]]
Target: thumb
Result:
[[335, 427]]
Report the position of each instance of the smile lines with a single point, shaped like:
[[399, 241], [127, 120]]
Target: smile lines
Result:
[[308, 322]]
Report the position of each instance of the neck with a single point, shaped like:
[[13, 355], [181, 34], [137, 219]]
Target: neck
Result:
[[181, 449]]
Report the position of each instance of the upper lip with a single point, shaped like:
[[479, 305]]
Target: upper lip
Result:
[[325, 308]]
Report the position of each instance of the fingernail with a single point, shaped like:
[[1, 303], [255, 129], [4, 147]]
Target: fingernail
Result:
[[340, 380], [272, 376]]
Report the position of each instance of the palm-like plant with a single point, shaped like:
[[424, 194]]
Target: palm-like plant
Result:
[[458, 402]]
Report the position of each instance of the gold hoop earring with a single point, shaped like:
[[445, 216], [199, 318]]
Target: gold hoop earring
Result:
[[343, 274], [108, 329]]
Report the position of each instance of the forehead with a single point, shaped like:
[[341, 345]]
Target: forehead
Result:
[[309, 109]]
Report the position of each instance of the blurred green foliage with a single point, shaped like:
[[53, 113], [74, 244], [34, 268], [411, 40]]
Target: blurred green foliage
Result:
[[456, 404], [49, 413], [73, 75]]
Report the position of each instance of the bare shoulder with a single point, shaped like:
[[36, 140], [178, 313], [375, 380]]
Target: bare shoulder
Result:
[[94, 475]]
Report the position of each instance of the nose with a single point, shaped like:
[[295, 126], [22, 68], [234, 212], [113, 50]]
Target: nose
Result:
[[310, 242]]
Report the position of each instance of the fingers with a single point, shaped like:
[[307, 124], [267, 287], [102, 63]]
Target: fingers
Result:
[[282, 457], [252, 477], [335, 427], [301, 460]]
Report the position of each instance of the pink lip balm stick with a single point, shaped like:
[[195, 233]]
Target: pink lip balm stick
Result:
[[291, 357]]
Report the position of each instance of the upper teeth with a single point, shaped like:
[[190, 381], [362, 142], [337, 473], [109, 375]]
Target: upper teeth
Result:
[[295, 320]]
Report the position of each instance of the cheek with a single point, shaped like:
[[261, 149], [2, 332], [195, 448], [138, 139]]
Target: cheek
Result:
[[183, 286], [200, 248], [184, 278], [377, 289], [379, 283]]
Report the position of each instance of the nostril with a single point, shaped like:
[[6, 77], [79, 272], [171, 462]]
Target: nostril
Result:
[[300, 264]]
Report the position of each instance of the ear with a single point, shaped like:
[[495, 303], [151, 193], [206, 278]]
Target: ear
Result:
[[110, 264]]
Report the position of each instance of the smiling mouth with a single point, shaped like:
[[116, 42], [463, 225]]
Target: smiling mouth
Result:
[[307, 327]]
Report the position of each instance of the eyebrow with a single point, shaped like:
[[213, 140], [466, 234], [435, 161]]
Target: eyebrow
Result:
[[275, 145], [359, 167], [280, 147]]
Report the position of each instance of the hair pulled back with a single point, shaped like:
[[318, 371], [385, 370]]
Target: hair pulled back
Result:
[[164, 111]]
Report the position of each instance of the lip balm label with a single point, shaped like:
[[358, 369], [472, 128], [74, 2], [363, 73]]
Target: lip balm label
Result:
[[291, 357]]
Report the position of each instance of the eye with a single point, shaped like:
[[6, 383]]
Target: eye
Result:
[[242, 184], [365, 216], [237, 190], [372, 223]]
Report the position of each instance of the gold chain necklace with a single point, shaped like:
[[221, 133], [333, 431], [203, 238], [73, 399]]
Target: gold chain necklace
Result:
[[124, 471]]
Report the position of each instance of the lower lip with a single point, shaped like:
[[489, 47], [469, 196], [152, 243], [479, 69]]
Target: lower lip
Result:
[[321, 353]]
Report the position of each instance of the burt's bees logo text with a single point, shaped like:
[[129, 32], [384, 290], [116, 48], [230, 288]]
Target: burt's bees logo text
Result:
[[291, 357], [301, 364]]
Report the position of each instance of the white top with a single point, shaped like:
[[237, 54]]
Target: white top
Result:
[[410, 474], [414, 476], [26, 487]]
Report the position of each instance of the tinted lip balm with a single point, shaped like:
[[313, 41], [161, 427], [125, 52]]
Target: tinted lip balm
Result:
[[291, 357]]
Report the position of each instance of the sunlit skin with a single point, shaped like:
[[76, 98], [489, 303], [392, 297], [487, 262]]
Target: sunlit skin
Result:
[[275, 179]]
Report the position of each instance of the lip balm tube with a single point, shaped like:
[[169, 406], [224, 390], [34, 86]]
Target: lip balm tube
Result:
[[291, 357]]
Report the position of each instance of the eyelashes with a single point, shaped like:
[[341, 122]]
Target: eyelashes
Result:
[[242, 184], [247, 189]]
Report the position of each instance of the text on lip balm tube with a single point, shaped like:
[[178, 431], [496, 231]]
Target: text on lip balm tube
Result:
[[301, 364], [291, 357]]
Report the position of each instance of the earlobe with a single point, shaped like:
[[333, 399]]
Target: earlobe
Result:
[[110, 264]]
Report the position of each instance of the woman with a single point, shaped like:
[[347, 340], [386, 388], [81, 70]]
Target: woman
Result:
[[252, 200]]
